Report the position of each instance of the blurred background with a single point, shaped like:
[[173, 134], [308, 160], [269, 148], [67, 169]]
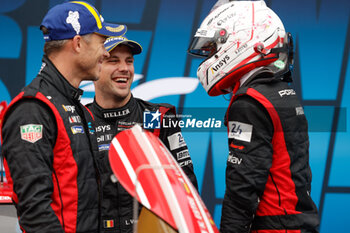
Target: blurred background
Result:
[[164, 28]]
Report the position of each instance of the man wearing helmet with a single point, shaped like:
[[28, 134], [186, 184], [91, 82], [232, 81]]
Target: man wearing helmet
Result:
[[268, 177]]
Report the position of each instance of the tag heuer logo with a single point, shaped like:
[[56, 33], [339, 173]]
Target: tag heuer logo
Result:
[[31, 133]]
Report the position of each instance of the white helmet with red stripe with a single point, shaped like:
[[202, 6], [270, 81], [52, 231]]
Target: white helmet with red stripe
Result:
[[236, 38]]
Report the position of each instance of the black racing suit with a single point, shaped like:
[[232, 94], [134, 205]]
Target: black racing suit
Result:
[[117, 204], [268, 177], [49, 145]]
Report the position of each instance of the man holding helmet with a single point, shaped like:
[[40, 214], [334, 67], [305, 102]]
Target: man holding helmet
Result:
[[268, 177], [115, 109]]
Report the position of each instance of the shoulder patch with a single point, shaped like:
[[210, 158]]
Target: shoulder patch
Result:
[[31, 132], [240, 131], [299, 111], [176, 141]]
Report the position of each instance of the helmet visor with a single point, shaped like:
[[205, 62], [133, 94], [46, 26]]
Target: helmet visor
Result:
[[203, 46]]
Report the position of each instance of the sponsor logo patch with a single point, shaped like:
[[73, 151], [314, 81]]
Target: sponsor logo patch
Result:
[[103, 128], [77, 129], [286, 92], [185, 163], [103, 147], [69, 108], [105, 137], [182, 155], [115, 29], [116, 114], [31, 132], [128, 222], [91, 128], [176, 141], [299, 111], [74, 119], [72, 19], [234, 160], [240, 131], [126, 125]]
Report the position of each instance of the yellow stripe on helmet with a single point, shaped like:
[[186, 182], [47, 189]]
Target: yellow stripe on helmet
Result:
[[92, 11]]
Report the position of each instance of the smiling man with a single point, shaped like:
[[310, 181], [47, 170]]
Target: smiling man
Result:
[[113, 89], [115, 109], [49, 141]]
